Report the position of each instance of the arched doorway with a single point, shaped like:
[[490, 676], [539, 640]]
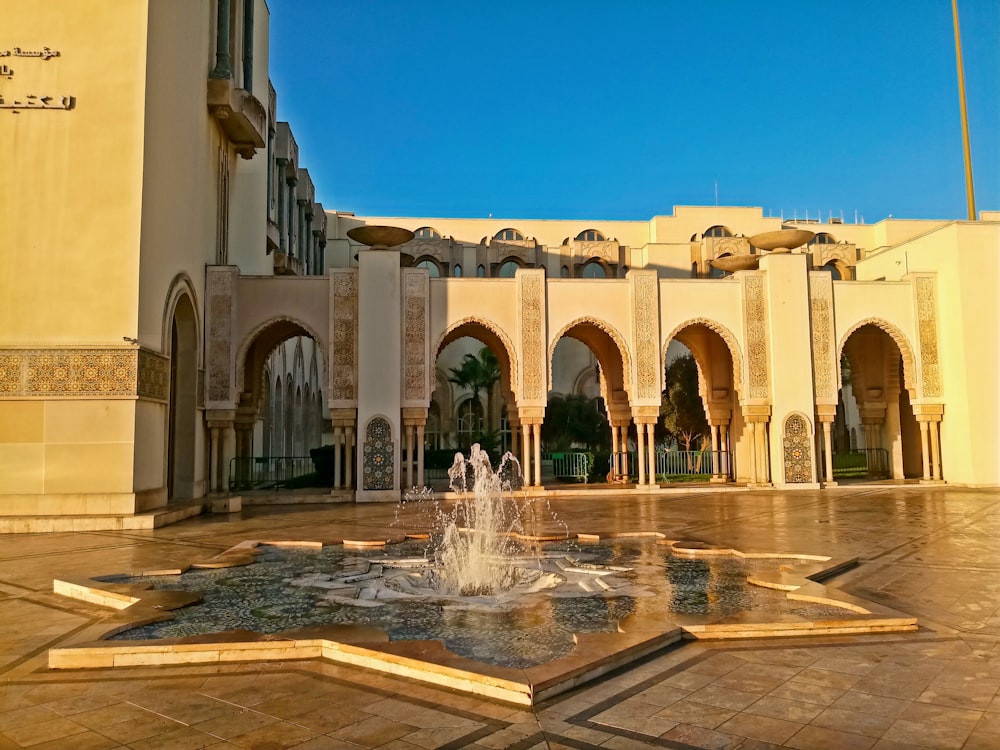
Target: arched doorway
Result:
[[589, 409], [880, 367], [474, 383], [281, 416], [717, 446], [183, 401]]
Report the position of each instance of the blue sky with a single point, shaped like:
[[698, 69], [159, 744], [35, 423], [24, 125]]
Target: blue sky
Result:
[[622, 110]]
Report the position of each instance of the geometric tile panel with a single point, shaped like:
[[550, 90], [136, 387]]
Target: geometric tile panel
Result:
[[76, 372]]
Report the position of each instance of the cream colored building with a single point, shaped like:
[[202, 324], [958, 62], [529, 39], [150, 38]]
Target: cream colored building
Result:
[[163, 244]]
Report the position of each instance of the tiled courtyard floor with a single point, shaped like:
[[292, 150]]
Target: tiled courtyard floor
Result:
[[929, 552]]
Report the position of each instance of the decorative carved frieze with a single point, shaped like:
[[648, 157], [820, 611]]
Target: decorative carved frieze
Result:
[[823, 344], [414, 325], [645, 334], [755, 335], [716, 246], [343, 331], [930, 369], [69, 373], [153, 376], [531, 291], [606, 250]]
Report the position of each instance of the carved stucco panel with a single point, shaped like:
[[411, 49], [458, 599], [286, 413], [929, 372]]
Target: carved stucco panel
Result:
[[343, 331], [645, 334], [153, 376], [220, 307], [823, 343], [414, 324], [755, 335], [930, 368], [532, 306]]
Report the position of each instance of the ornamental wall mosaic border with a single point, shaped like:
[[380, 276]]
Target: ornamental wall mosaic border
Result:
[[84, 372]]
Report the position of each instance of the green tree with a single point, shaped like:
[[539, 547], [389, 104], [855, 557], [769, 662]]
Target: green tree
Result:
[[478, 373], [574, 420], [681, 410]]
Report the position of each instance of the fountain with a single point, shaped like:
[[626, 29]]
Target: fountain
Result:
[[478, 603]]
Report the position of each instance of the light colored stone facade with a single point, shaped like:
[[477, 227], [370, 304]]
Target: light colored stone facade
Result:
[[190, 247]]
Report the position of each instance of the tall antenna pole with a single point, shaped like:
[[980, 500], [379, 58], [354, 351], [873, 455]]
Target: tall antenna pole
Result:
[[969, 192]]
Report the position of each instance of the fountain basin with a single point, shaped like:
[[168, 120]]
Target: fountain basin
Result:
[[635, 635]]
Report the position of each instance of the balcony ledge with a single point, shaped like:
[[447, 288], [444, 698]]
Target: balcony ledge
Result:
[[242, 118]]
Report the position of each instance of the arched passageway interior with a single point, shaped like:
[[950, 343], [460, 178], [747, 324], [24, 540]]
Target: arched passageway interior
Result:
[[183, 401], [472, 396], [886, 434], [589, 406], [281, 414], [729, 445]]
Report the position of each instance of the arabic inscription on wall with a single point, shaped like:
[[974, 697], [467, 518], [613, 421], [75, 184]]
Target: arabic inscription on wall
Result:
[[13, 59]]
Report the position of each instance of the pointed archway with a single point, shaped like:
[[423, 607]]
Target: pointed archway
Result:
[[880, 375], [182, 401]]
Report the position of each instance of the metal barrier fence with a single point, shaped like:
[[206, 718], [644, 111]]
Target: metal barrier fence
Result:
[[569, 465], [862, 463], [624, 467], [678, 463], [269, 473]]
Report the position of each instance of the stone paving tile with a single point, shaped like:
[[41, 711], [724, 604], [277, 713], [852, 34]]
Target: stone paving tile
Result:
[[278, 736], [701, 737], [373, 732], [876, 705], [935, 735], [231, 725], [857, 722], [760, 728], [818, 738], [923, 690], [782, 708], [724, 697], [828, 678], [37, 732], [697, 714], [756, 678], [806, 692]]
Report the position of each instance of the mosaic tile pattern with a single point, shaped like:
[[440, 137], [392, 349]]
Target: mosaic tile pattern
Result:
[[259, 598], [379, 464], [798, 450]]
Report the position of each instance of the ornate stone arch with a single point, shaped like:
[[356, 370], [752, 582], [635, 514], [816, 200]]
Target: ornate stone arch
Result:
[[905, 350], [251, 338], [727, 337], [180, 286], [612, 333], [496, 331]]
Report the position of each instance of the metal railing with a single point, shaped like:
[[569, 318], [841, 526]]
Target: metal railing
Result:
[[624, 467], [684, 463], [862, 463], [569, 465], [270, 472]]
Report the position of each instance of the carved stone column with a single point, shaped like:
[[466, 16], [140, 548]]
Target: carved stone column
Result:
[[222, 448], [826, 415], [651, 448], [929, 418], [338, 440]]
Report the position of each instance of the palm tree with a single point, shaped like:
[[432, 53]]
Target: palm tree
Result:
[[477, 373]]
